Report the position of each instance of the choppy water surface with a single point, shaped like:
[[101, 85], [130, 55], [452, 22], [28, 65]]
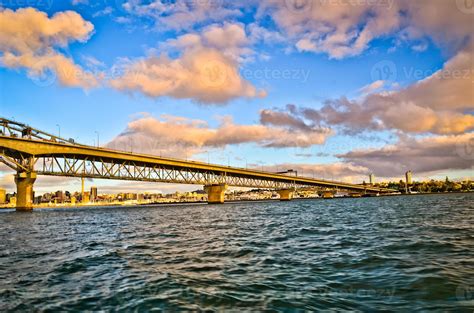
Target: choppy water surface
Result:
[[393, 253]]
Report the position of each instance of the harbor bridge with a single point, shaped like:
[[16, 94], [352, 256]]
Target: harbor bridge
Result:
[[31, 152]]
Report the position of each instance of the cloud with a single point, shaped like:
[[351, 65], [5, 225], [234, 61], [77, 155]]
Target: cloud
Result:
[[42, 184], [259, 33], [335, 171], [77, 2], [229, 38], [423, 155], [283, 118], [206, 70], [338, 28], [181, 14], [439, 104], [151, 135], [31, 40], [376, 85], [345, 28]]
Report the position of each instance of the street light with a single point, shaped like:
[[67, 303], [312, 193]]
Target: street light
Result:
[[246, 163], [97, 139], [59, 130]]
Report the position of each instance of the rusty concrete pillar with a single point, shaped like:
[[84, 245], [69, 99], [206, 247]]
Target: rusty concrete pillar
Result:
[[215, 193], [286, 194]]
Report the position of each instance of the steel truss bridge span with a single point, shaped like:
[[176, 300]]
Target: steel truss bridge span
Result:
[[30, 151], [60, 159]]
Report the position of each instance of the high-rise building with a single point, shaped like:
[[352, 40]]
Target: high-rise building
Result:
[[93, 194], [408, 176], [59, 196], [408, 181], [372, 179]]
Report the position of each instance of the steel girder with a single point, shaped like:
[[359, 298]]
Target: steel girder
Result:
[[81, 166]]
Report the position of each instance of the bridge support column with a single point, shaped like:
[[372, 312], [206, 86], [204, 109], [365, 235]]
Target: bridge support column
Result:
[[286, 194], [215, 193], [24, 190]]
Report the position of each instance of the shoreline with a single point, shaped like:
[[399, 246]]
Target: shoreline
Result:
[[117, 205]]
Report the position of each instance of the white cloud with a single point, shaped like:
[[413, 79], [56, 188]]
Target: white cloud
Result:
[[189, 137], [424, 155], [182, 14], [376, 85], [31, 40], [346, 28], [207, 70]]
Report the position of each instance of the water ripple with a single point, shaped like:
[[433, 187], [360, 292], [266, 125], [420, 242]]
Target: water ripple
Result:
[[394, 253]]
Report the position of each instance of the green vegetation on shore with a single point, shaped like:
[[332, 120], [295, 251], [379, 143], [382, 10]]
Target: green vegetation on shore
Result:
[[431, 186]]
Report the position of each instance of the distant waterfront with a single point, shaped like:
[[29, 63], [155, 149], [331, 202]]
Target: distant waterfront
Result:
[[379, 253], [176, 202]]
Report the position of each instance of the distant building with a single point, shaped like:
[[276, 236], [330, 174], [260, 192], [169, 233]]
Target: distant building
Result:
[[408, 181], [59, 196], [372, 179], [409, 178], [3, 196], [85, 198], [93, 196]]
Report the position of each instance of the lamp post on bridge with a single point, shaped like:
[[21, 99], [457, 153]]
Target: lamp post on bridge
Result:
[[97, 139], [59, 130], [246, 163]]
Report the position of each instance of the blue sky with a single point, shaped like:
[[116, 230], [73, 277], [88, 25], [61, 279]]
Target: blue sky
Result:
[[325, 71]]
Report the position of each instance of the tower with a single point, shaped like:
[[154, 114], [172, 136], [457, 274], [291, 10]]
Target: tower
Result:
[[93, 194], [372, 179], [408, 180], [82, 189]]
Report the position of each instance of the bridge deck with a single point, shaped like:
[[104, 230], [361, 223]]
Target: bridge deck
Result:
[[21, 148]]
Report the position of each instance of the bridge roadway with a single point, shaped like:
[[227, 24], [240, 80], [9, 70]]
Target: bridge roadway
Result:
[[30, 156]]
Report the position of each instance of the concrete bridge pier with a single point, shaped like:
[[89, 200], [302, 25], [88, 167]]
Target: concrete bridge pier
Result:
[[286, 194], [215, 193], [24, 190]]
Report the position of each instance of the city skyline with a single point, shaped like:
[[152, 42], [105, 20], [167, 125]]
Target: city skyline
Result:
[[385, 89]]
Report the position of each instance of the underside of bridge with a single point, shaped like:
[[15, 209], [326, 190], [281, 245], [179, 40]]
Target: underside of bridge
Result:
[[31, 152]]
